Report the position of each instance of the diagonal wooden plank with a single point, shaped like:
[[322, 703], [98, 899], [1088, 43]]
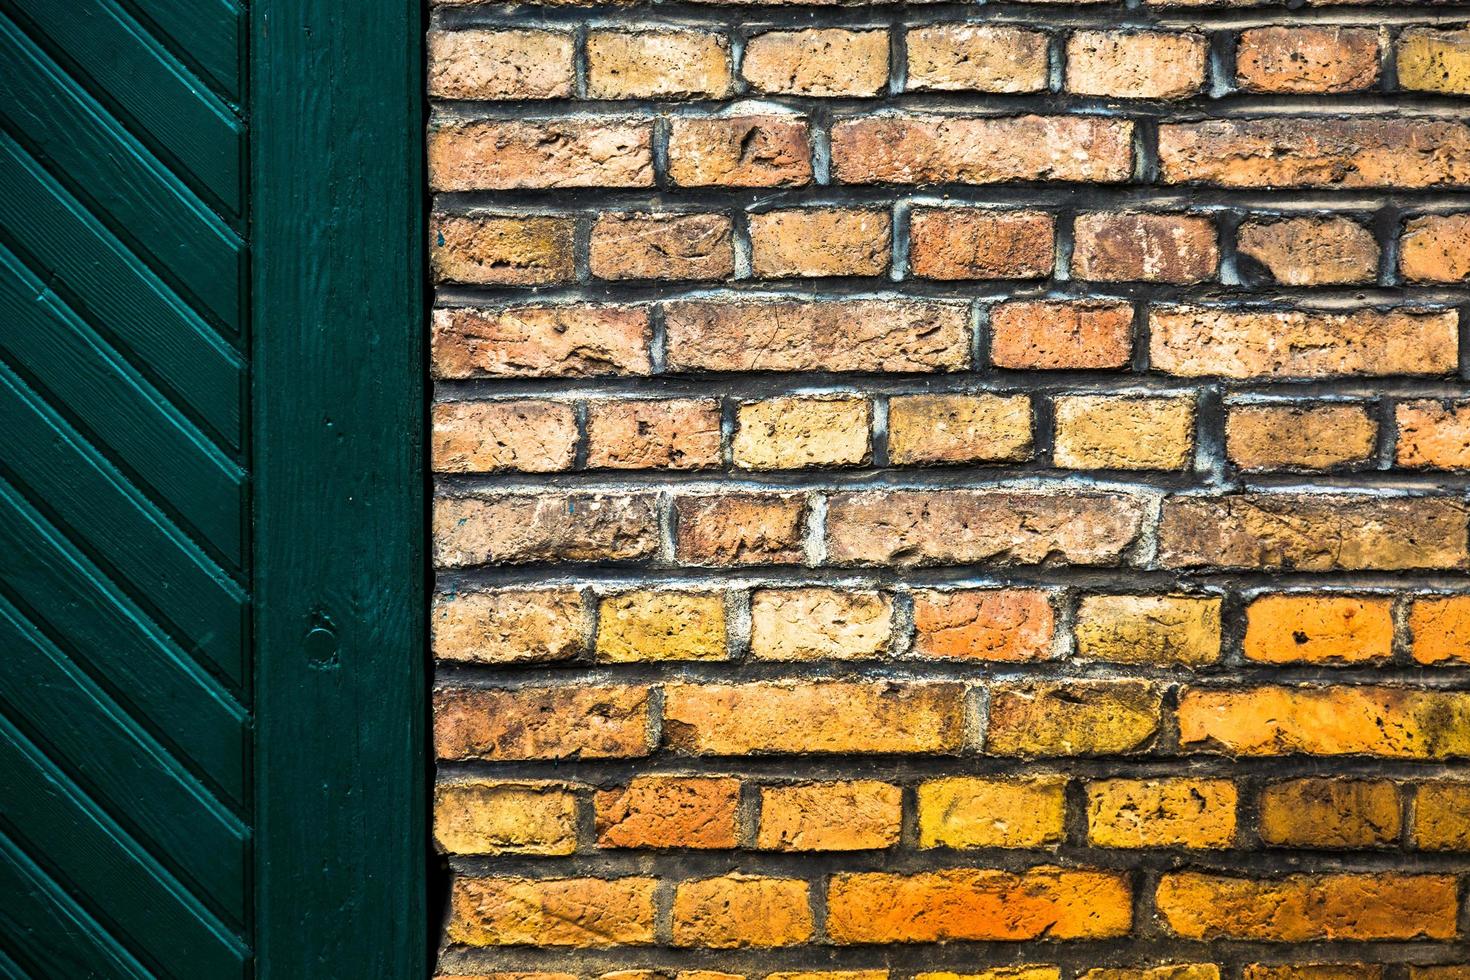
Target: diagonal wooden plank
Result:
[[207, 32], [120, 178]]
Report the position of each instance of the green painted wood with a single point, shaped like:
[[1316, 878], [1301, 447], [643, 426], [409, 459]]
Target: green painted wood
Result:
[[204, 33]]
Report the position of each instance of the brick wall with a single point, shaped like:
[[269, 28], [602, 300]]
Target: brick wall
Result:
[[937, 490]]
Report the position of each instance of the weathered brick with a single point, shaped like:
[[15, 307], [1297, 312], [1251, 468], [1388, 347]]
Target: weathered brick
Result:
[[1283, 629], [1003, 527], [924, 149], [740, 529], [501, 250], [819, 624], [1313, 532], [1072, 718], [998, 973], [814, 716], [1149, 629], [1061, 335], [661, 625], [854, 815], [483, 816], [967, 811], [958, 428], [1333, 813], [818, 62], [1436, 248], [1312, 971], [1298, 436], [1310, 251], [1133, 246], [1301, 908], [742, 911], [633, 245], [669, 812], [509, 626], [1439, 627], [1143, 813], [1388, 722], [1136, 64], [1442, 816], [976, 58], [799, 432], [634, 434], [541, 723], [739, 151], [485, 64], [503, 154], [1172, 971], [1306, 59], [1433, 434], [572, 341], [1195, 341], [657, 64], [820, 242], [1431, 60], [983, 624], [485, 437], [1123, 432], [979, 243], [511, 528], [959, 904], [568, 912]]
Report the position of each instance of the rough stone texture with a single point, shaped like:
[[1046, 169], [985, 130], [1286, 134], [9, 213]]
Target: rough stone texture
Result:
[[983, 624], [976, 58], [657, 64], [739, 151], [793, 433], [479, 64], [1136, 64], [665, 812], [817, 62], [501, 250], [1442, 817], [1100, 432], [1337, 813], [1439, 628], [820, 242], [1142, 813], [1307, 437], [1285, 629], [1307, 59], [541, 723], [930, 429], [483, 437], [541, 341], [507, 154], [974, 243], [674, 434], [576, 912], [740, 529], [819, 624], [1072, 718], [858, 815], [1311, 251], [1149, 629], [1434, 61], [1061, 335], [661, 246], [493, 817], [1136, 247], [966, 812], [1433, 434], [663, 625], [1436, 248], [510, 626], [741, 910], [543, 527]]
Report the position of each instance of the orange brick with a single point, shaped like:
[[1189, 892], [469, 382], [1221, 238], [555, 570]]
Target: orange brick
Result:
[[669, 812], [1148, 629], [513, 528], [520, 436], [1310, 437], [506, 154], [1130, 246], [509, 626], [978, 243], [541, 723], [1060, 335], [979, 428], [855, 815], [966, 811], [1442, 816], [1072, 718], [820, 242], [742, 911], [637, 245], [481, 64], [985, 624], [1123, 432], [1309, 251], [1144, 813], [1307, 59], [494, 817], [740, 529], [1436, 248], [976, 58], [1333, 813], [675, 434], [502, 250], [572, 341], [1440, 629], [1433, 435], [568, 912], [1285, 629], [1136, 64], [657, 64], [739, 151], [1313, 971], [818, 62]]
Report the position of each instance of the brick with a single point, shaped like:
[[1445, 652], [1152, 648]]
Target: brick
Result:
[[817, 62], [958, 428], [1301, 908], [1123, 433], [966, 812], [837, 335], [958, 904], [984, 624], [1072, 718], [669, 812], [1149, 629], [1439, 628], [657, 64], [541, 723], [1285, 629], [1145, 813], [1309, 251], [1307, 59], [1313, 971], [487, 437], [819, 624], [504, 154], [480, 64], [814, 716], [1061, 335], [565, 912], [976, 58], [739, 911], [1136, 64], [1131, 246], [1173, 971], [501, 250], [1442, 816], [509, 626], [1436, 248], [1386, 722], [801, 432], [661, 625], [495, 817], [514, 528], [978, 243], [1433, 434], [853, 815], [1336, 813], [573, 341], [1194, 341], [811, 242], [1307, 437], [998, 973], [1316, 152], [1312, 532], [661, 246], [1448, 971], [740, 529], [674, 434], [739, 151], [1001, 527], [926, 149], [1434, 61]]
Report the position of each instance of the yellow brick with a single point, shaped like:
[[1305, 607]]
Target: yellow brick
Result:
[[1434, 61], [1144, 629], [1138, 813], [963, 811], [792, 433], [1123, 433], [491, 817], [637, 626], [958, 429], [1442, 816], [855, 815]]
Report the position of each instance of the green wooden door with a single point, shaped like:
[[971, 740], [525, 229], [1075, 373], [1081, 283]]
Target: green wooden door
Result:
[[195, 442]]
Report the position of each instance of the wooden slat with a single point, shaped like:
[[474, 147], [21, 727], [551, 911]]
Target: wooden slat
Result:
[[208, 32]]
